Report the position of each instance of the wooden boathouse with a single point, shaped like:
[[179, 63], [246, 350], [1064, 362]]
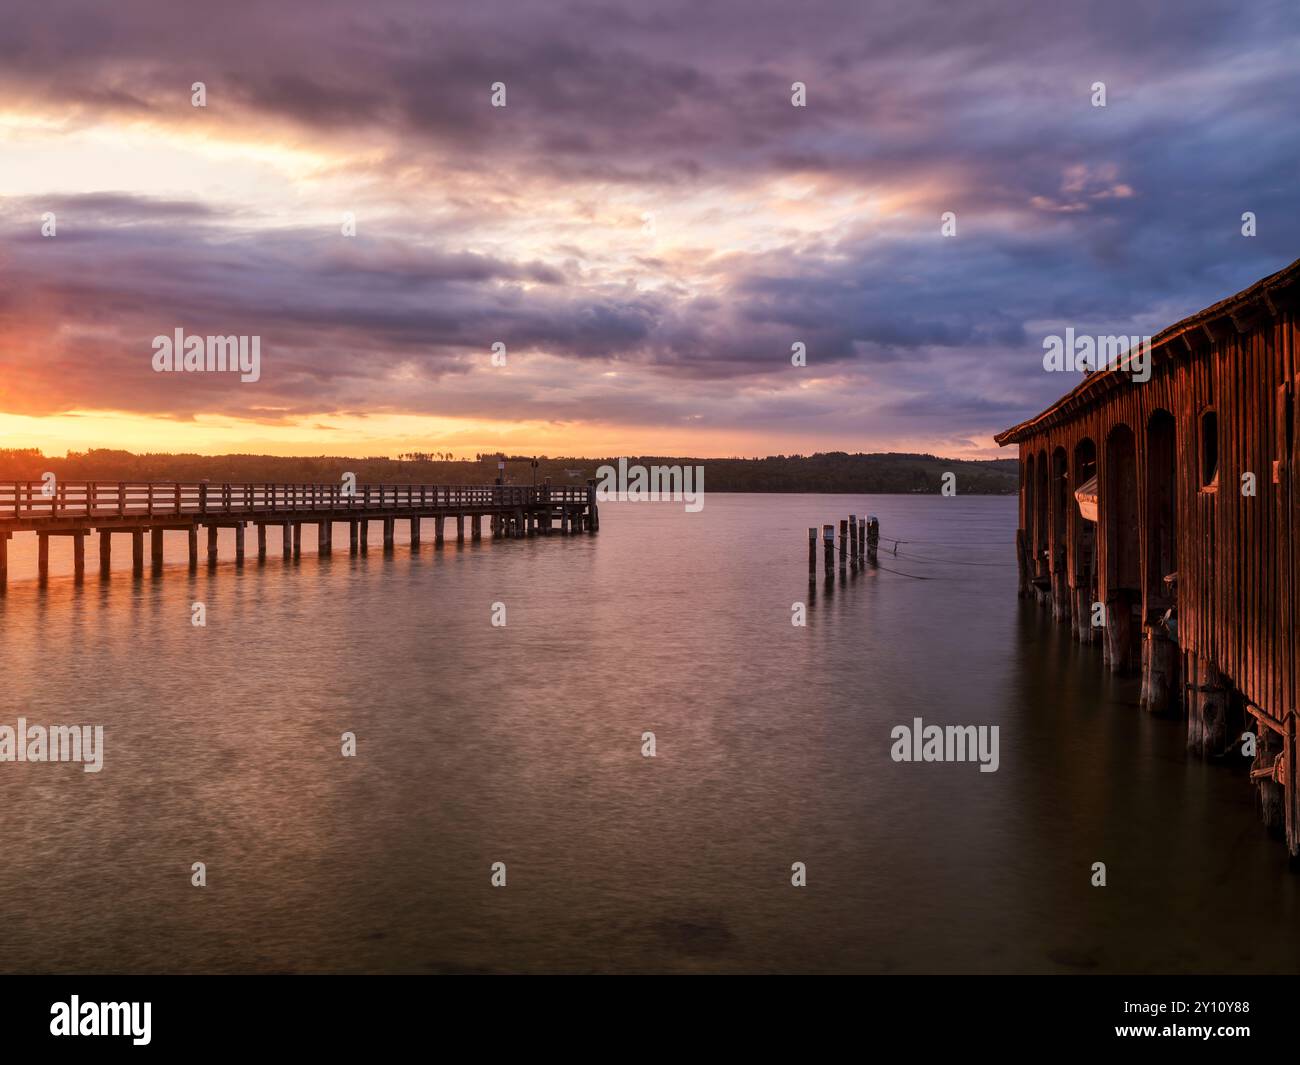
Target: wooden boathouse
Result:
[[75, 509], [1159, 519]]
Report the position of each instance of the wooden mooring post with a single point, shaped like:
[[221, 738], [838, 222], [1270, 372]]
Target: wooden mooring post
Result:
[[812, 554], [873, 537], [853, 540], [828, 546], [844, 545]]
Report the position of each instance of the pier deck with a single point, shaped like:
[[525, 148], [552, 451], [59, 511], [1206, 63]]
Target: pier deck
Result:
[[77, 508]]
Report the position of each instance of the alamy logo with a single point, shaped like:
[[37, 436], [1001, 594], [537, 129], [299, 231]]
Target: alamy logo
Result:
[[196, 354], [653, 484], [1089, 353], [102, 1018], [951, 743], [58, 743]]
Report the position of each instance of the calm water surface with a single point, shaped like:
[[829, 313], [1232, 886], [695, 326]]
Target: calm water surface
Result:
[[523, 744]]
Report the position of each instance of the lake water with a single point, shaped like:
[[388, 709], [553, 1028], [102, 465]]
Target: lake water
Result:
[[522, 744]]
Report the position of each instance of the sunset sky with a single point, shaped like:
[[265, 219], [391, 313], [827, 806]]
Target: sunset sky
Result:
[[647, 225]]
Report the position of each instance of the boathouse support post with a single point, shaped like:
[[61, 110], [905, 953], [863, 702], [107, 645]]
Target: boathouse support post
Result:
[[389, 523], [192, 536], [137, 552], [286, 540], [1022, 561], [353, 545], [365, 535], [1288, 784], [212, 545], [415, 534], [476, 527], [156, 548], [1060, 589], [43, 556], [1207, 707], [79, 555], [261, 541], [460, 528], [4, 561], [297, 539], [1159, 670], [1269, 752], [1083, 615], [105, 552], [1120, 636], [439, 530], [239, 543]]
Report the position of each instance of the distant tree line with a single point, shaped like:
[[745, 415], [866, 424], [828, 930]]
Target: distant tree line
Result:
[[834, 471]]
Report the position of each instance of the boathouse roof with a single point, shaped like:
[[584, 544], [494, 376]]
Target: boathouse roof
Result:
[[1237, 313]]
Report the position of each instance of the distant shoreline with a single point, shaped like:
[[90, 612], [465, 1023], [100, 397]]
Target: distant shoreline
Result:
[[830, 473]]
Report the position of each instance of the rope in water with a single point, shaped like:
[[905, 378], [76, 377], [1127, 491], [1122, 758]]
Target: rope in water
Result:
[[939, 561]]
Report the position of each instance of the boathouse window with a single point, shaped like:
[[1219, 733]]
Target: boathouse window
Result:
[[1209, 448]]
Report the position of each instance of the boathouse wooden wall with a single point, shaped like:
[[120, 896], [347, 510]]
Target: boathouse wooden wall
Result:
[[1236, 554]]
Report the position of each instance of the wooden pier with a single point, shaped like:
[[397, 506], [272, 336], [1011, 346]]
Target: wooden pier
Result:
[[1160, 519], [75, 509]]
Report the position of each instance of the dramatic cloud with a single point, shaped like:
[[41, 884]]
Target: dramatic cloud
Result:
[[648, 225]]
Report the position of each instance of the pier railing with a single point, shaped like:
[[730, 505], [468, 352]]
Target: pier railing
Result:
[[35, 500]]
